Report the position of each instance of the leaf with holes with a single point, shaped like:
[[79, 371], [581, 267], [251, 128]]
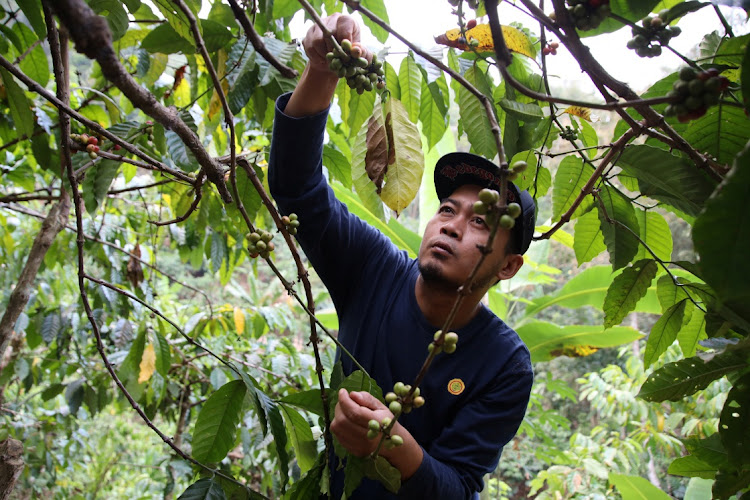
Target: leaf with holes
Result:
[[626, 290], [217, 422], [674, 381], [734, 423]]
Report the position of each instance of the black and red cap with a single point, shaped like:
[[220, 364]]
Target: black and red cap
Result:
[[454, 170]]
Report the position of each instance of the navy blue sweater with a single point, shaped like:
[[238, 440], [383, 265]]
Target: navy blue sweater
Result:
[[475, 397]]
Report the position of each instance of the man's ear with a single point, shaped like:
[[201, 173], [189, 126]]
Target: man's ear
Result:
[[512, 264]]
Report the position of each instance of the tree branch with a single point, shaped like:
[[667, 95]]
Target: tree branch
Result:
[[92, 38], [257, 41]]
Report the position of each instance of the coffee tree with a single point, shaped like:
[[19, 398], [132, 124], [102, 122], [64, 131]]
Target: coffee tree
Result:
[[136, 132]]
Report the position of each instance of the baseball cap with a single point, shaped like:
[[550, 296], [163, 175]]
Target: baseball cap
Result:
[[454, 170]]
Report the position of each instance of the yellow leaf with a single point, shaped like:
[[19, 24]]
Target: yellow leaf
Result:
[[182, 93], [575, 351], [515, 39], [580, 112], [215, 105], [239, 320], [148, 364]]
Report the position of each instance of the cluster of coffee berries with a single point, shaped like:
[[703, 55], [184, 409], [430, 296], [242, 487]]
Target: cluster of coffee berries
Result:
[[486, 204], [449, 341], [694, 92], [655, 29], [588, 14], [551, 49], [90, 143], [291, 223], [568, 133], [149, 131], [260, 244], [347, 62], [374, 428], [399, 400]]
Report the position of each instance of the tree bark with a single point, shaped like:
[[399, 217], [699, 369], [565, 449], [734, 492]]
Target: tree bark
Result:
[[11, 466], [19, 297]]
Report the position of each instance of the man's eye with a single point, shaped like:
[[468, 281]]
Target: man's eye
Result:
[[445, 209], [480, 221]]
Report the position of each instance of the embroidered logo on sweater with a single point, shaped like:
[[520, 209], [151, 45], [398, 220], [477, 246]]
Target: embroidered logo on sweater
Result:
[[456, 386]]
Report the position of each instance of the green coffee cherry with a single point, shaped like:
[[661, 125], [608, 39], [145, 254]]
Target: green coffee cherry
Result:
[[480, 208], [390, 397], [507, 222], [451, 338], [397, 440], [399, 388], [514, 210], [519, 166], [488, 196], [372, 434], [373, 425], [395, 408], [418, 402]]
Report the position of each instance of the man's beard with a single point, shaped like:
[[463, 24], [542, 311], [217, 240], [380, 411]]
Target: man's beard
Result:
[[433, 276]]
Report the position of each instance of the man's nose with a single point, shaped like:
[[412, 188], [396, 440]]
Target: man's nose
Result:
[[451, 229]]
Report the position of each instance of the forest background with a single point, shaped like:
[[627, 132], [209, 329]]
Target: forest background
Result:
[[147, 352]]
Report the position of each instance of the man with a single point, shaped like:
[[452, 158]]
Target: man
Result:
[[389, 306]]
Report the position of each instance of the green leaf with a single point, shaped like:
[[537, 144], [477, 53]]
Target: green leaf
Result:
[[33, 12], [299, 430], [431, 115], [589, 137], [176, 19], [589, 239], [655, 233], [219, 250], [664, 332], [215, 35], [619, 234], [358, 381], [338, 166], [163, 354], [20, 107], [667, 178], [115, 14], [97, 182], [572, 175], [722, 132], [691, 466], [34, 64], [626, 290], [309, 486], [693, 332], [360, 109], [391, 80], [546, 340], [636, 488], [279, 440], [309, 400], [404, 175], [51, 327], [285, 8], [474, 117], [203, 489], [698, 488], [377, 7], [410, 82], [588, 288], [734, 423], [240, 93], [179, 152], [353, 474], [130, 366], [528, 112], [248, 194], [677, 380], [669, 292], [721, 236], [216, 427], [381, 470], [525, 179], [164, 39]]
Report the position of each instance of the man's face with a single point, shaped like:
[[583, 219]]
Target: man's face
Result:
[[449, 246]]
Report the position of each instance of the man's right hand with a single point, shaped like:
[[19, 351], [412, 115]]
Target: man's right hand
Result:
[[318, 83]]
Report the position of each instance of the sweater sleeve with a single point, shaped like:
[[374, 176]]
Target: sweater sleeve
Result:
[[455, 463], [336, 242]]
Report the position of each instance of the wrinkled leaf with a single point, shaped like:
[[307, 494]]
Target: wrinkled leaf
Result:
[[626, 290]]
